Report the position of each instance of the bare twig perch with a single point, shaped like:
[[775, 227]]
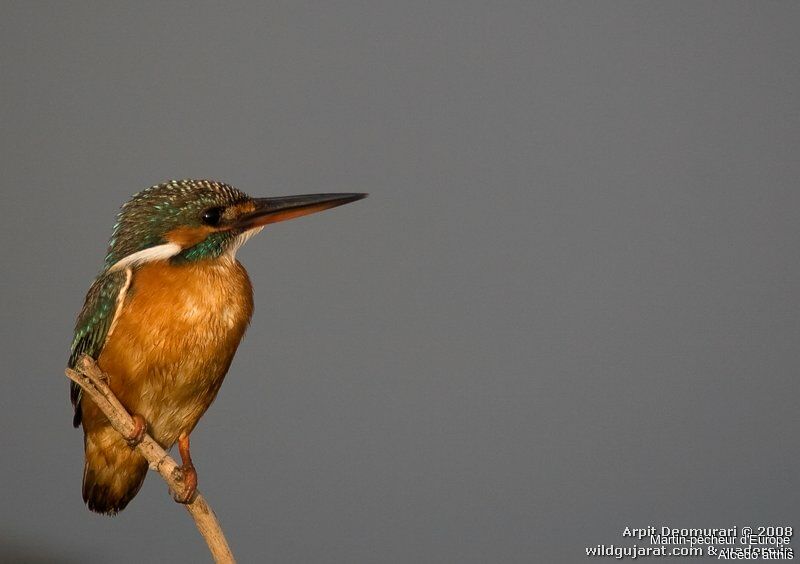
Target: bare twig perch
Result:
[[93, 382]]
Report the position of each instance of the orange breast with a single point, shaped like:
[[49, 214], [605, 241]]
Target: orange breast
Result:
[[174, 340]]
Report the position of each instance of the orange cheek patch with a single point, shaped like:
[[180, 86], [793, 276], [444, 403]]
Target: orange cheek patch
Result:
[[243, 208], [188, 236]]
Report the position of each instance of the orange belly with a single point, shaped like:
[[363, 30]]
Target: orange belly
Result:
[[173, 341]]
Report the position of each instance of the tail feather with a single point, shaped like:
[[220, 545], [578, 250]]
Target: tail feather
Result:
[[113, 472]]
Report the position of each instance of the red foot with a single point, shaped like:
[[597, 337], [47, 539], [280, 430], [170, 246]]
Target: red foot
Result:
[[185, 473], [139, 430]]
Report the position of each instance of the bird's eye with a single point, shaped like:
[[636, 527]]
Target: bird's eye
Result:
[[212, 216]]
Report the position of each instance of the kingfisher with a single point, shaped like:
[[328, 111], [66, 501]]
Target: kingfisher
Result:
[[163, 320]]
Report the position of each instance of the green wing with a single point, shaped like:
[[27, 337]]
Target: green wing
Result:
[[93, 323]]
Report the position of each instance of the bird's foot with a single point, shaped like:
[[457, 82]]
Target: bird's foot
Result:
[[186, 475], [139, 431]]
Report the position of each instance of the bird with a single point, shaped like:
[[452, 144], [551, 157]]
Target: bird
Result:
[[163, 320]]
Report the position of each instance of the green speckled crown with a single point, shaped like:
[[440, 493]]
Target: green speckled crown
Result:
[[152, 213]]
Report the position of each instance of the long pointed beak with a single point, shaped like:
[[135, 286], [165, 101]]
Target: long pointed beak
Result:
[[273, 210]]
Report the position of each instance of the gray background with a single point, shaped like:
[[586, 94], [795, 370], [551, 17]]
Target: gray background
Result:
[[569, 305]]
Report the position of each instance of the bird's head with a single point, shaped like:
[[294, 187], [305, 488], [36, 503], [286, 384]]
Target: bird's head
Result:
[[187, 220]]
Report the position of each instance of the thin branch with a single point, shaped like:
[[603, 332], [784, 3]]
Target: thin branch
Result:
[[93, 382]]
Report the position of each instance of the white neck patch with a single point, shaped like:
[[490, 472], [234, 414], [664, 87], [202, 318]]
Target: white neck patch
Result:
[[159, 252], [241, 240]]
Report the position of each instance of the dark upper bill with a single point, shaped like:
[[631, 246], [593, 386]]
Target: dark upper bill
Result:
[[273, 210]]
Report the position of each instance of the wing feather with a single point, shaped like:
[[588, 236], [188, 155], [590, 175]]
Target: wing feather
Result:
[[95, 322]]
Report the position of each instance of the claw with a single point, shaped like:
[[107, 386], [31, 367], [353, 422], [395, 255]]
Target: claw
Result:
[[139, 431]]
